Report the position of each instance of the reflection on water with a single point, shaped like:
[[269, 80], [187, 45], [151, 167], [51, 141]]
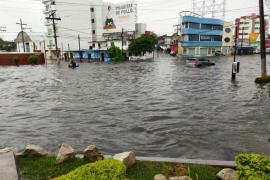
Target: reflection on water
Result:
[[158, 108]]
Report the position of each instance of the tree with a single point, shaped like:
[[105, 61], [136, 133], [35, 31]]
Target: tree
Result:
[[143, 44], [6, 45], [116, 54]]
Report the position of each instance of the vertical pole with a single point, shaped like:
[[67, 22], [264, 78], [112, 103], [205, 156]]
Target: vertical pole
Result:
[[235, 51], [79, 42], [45, 52], [62, 54], [22, 35], [262, 34], [122, 38], [242, 39], [55, 38]]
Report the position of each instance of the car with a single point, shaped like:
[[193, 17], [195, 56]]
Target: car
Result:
[[199, 62], [219, 53]]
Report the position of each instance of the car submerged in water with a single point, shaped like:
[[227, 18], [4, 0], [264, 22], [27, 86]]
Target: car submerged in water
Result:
[[199, 62]]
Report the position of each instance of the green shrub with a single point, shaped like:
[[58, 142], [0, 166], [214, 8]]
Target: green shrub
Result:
[[33, 59], [253, 167], [116, 54], [102, 170], [16, 60]]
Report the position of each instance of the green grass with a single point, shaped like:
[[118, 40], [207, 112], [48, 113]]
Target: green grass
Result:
[[46, 168]]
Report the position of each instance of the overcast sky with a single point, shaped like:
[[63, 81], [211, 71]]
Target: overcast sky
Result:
[[159, 15]]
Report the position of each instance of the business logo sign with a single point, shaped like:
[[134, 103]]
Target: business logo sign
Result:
[[120, 16]]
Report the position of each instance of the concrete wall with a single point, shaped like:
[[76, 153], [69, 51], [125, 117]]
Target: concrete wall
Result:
[[6, 59]]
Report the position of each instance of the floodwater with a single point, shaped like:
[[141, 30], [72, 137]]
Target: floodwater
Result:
[[156, 108]]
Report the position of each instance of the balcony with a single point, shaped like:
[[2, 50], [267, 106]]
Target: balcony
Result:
[[202, 32], [202, 43]]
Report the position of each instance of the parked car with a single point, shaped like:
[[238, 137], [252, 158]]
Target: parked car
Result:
[[199, 62], [219, 53]]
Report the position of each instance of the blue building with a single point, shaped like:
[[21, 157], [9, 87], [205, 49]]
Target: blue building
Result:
[[201, 37]]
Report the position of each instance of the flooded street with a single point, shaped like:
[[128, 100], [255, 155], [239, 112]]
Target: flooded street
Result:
[[157, 108]]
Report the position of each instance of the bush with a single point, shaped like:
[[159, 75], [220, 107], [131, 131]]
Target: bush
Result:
[[102, 170], [16, 60], [33, 59], [116, 54], [253, 167]]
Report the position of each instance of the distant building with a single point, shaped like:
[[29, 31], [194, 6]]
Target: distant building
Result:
[[249, 31], [200, 36], [32, 42]]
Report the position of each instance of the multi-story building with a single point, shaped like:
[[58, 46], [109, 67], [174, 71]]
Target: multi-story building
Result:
[[109, 22], [249, 30], [200, 36], [75, 20]]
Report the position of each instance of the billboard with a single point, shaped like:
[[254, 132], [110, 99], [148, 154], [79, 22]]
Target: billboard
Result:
[[118, 16]]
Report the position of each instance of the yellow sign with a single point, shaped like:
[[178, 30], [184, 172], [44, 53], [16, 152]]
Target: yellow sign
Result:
[[253, 37]]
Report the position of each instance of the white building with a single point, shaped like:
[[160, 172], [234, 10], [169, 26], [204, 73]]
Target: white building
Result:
[[248, 28], [29, 42], [123, 19], [75, 20]]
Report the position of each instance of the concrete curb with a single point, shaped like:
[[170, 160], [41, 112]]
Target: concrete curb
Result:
[[229, 164]]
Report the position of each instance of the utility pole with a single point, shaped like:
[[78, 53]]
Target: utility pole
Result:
[[44, 44], [53, 18], [235, 52], [79, 42], [22, 28], [262, 34], [122, 38]]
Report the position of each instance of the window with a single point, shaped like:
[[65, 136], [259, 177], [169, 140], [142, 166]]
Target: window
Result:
[[184, 51], [93, 45], [205, 38], [217, 38], [92, 9], [206, 26], [94, 31], [99, 45], [193, 37], [217, 27], [227, 39], [53, 3], [93, 20], [194, 26], [228, 30]]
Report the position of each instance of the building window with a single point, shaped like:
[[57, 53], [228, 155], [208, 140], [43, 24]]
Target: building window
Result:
[[228, 30], [206, 26], [193, 37], [94, 31], [99, 46], [92, 9], [217, 27], [184, 51], [93, 45], [227, 39], [205, 38], [194, 26], [93, 20]]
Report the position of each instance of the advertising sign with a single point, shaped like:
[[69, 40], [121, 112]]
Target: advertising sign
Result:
[[120, 16]]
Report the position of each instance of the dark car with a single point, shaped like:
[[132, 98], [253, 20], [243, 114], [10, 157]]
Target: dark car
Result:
[[199, 62]]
